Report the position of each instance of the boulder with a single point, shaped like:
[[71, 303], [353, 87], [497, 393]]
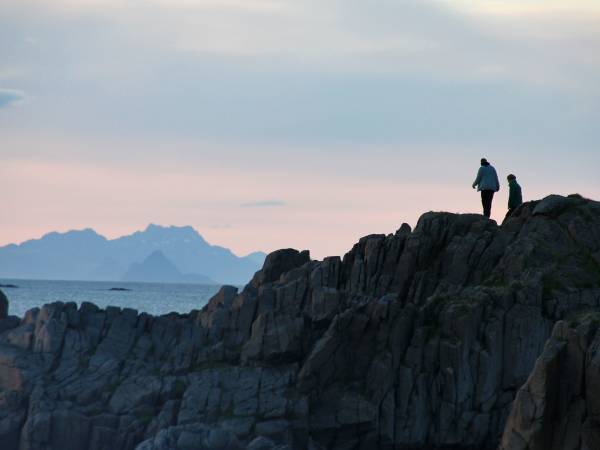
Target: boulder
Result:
[[278, 263], [553, 205]]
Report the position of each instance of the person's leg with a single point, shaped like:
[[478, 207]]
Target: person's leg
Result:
[[486, 200], [491, 194]]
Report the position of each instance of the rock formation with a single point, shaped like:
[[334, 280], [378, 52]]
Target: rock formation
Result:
[[423, 339], [558, 407]]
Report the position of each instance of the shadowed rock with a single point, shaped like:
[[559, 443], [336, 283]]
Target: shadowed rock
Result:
[[422, 339], [558, 407], [279, 262]]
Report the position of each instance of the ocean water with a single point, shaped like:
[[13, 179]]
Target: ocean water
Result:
[[153, 298]]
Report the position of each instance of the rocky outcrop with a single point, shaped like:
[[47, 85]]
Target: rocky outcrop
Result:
[[417, 340], [558, 407]]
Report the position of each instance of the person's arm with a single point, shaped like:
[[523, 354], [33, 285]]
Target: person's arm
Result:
[[478, 179], [497, 181]]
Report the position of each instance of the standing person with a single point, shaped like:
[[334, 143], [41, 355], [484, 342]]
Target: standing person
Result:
[[515, 197], [487, 183]]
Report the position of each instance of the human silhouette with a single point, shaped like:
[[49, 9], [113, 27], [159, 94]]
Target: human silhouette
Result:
[[515, 197], [487, 183]]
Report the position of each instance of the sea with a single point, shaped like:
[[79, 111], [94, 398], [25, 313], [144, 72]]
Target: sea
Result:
[[153, 298]]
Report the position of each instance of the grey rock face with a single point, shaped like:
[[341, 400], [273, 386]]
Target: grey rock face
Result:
[[279, 262], [557, 408], [423, 339]]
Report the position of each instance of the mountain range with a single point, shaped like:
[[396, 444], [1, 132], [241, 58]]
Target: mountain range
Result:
[[161, 254]]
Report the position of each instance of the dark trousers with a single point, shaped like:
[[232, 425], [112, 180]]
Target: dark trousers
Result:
[[486, 201]]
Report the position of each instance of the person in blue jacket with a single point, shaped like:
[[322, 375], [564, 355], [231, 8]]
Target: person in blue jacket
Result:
[[487, 183]]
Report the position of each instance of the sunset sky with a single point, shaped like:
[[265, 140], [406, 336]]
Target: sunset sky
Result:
[[298, 123]]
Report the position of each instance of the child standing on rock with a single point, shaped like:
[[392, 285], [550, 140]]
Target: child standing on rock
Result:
[[515, 197]]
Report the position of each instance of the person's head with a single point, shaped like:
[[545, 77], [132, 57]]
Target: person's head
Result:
[[484, 162], [511, 177]]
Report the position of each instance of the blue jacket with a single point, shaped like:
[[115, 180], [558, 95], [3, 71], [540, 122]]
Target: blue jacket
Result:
[[487, 179]]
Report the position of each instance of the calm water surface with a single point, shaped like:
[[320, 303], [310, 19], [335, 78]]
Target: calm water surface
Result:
[[153, 298]]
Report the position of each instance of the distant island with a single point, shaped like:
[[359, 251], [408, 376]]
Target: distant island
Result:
[[156, 254], [158, 267]]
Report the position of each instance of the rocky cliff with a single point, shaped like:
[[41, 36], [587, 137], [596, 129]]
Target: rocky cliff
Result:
[[558, 408], [441, 337]]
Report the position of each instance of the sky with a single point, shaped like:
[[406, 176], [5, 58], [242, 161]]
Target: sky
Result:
[[269, 124]]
